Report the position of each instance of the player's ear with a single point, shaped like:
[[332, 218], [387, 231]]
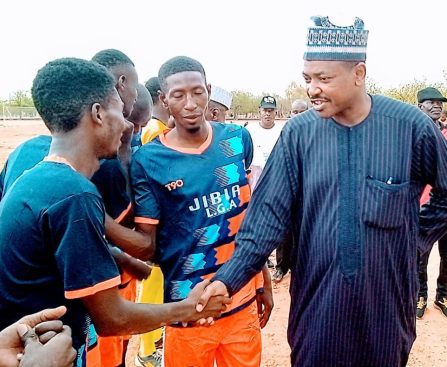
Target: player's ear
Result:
[[163, 100], [96, 113], [120, 84]]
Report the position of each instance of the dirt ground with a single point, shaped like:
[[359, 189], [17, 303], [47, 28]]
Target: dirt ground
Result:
[[430, 348]]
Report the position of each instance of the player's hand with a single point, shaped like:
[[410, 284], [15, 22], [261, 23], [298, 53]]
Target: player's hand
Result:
[[11, 342], [210, 311], [215, 289], [57, 352]]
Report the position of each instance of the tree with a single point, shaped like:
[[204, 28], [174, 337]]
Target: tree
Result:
[[372, 87], [244, 103], [21, 98], [295, 91], [408, 92]]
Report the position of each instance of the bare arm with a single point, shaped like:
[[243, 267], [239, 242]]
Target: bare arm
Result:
[[137, 268], [112, 315], [139, 244]]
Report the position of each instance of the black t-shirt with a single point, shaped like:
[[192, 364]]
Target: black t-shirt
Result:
[[52, 246]]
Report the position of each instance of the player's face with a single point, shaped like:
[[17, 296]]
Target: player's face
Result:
[[186, 96], [331, 86], [128, 92], [113, 127]]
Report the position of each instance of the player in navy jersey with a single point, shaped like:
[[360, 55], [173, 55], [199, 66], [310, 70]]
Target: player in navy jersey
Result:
[[190, 187], [52, 219]]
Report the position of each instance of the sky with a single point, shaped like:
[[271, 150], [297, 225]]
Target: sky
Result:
[[251, 45]]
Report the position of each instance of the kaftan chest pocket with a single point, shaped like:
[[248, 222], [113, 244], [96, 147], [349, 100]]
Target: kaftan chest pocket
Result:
[[385, 205]]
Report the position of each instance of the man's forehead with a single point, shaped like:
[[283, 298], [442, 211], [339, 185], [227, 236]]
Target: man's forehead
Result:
[[185, 79], [321, 67]]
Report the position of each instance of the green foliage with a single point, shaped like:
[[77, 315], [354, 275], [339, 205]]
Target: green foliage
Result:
[[372, 87], [244, 104], [21, 98], [407, 92], [295, 91]]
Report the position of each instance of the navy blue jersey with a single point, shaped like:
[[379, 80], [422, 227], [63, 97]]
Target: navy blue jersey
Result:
[[110, 180], [23, 158], [197, 198], [51, 245]]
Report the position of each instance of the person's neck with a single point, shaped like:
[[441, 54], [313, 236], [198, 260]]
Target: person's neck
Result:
[[189, 139], [76, 150], [266, 126], [160, 113], [356, 113]]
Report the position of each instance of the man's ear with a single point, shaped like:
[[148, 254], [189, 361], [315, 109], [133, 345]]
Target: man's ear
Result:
[[162, 98], [360, 73], [121, 82], [214, 113], [96, 112]]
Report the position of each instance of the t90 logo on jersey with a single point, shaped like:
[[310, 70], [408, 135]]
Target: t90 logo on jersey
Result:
[[174, 185]]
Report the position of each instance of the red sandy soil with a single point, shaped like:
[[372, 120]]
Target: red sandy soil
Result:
[[430, 348]]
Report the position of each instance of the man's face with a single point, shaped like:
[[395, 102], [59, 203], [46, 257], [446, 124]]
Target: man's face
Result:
[[432, 108], [112, 128], [267, 116], [215, 112], [186, 95], [128, 91], [298, 108], [330, 86]]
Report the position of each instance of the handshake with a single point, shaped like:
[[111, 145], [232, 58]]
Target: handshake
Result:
[[205, 303]]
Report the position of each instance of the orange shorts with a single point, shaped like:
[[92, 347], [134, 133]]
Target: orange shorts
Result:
[[233, 341]]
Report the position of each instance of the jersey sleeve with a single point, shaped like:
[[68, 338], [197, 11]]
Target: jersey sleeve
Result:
[[75, 229], [146, 205], [248, 147], [110, 180]]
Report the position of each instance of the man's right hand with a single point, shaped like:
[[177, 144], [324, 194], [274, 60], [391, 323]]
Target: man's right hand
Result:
[[216, 288], [212, 309]]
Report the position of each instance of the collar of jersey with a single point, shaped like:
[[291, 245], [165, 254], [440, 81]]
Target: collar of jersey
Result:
[[198, 150]]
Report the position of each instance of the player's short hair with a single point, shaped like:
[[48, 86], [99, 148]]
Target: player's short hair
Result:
[[153, 86], [64, 89], [111, 58], [143, 105], [177, 65]]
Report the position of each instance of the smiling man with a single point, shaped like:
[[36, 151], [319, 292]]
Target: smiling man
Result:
[[190, 187], [346, 177]]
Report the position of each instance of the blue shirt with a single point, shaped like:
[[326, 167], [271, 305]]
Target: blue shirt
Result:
[[111, 182], [23, 158], [51, 242], [351, 197], [197, 198]]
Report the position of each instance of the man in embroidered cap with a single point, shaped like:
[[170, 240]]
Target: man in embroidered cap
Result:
[[218, 105], [346, 178]]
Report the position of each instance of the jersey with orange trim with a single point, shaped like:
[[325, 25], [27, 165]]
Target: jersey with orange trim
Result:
[[110, 180], [198, 198], [51, 245]]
